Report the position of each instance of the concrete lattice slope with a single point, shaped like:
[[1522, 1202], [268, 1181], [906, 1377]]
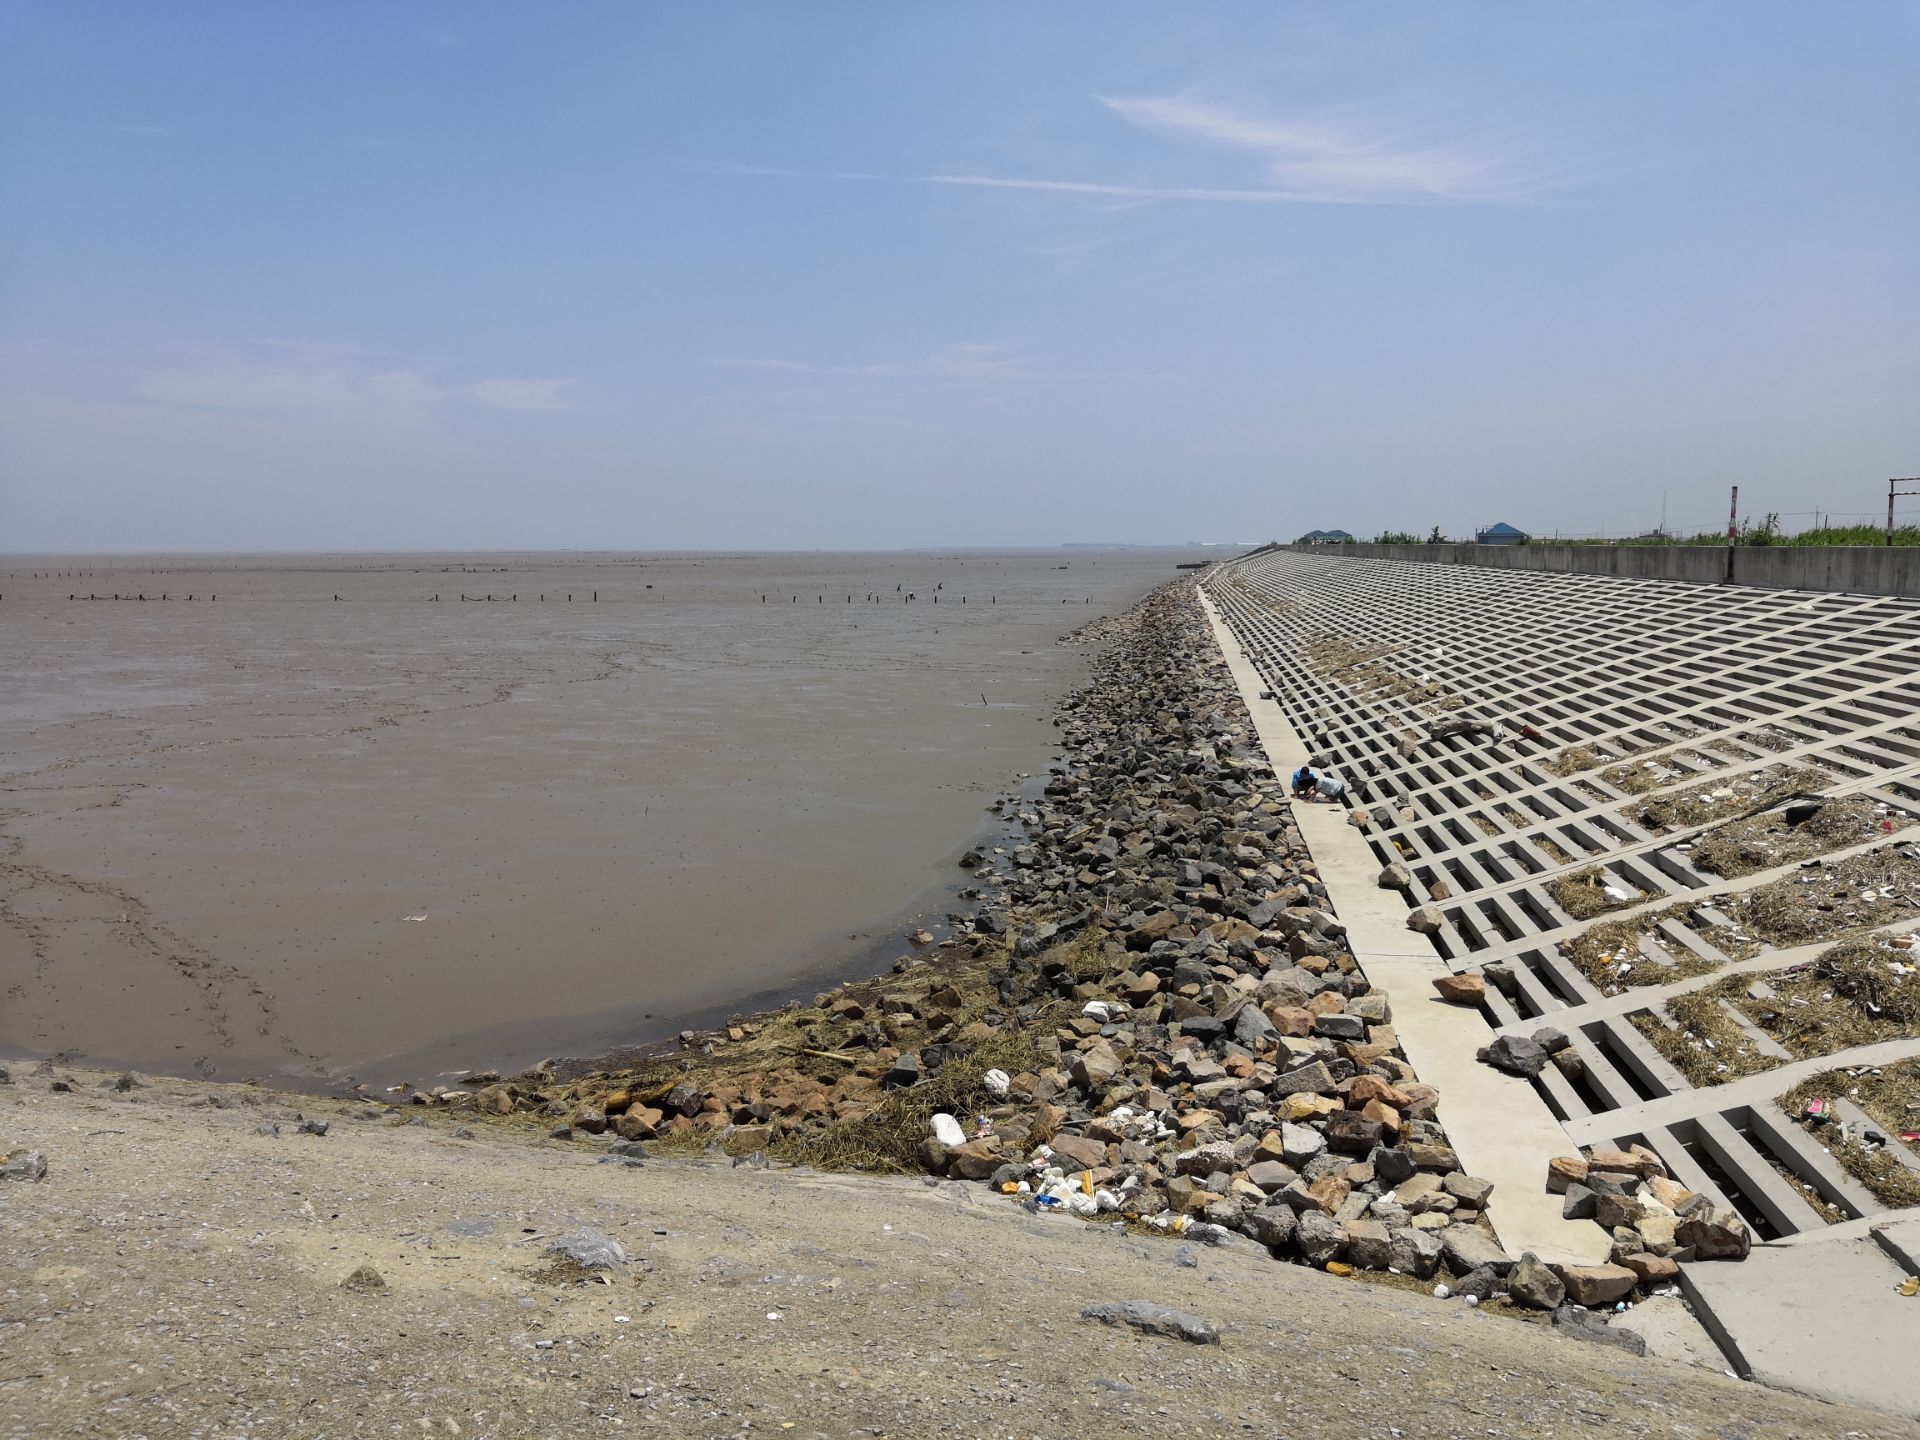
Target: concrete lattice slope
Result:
[[1624, 734]]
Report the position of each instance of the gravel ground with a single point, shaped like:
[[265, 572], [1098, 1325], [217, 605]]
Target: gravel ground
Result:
[[179, 1274]]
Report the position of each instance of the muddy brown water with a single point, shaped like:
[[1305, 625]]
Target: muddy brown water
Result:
[[277, 834]]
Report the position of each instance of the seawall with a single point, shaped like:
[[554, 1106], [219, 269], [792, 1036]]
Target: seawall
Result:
[[1856, 569]]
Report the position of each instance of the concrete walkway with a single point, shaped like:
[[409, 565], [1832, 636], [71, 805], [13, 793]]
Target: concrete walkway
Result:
[[1501, 1131]]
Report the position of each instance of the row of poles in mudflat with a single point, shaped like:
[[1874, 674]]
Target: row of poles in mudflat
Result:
[[906, 597]]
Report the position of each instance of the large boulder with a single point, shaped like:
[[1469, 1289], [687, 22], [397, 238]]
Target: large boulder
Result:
[[1535, 1285], [1592, 1285], [1715, 1234], [1468, 1248]]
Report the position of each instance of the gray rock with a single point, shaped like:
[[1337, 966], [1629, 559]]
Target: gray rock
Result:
[[589, 1249], [1251, 1027], [1271, 1175], [1481, 1284], [1532, 1284], [1516, 1055], [1300, 1143], [1579, 1202], [1272, 1225], [1468, 1248], [1551, 1040], [1585, 1325], [1392, 1166], [1415, 1253], [1369, 1243], [27, 1165], [1151, 1319], [1341, 1026], [1319, 1236], [1313, 1078], [1468, 1189]]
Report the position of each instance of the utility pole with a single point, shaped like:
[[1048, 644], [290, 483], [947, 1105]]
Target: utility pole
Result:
[[1733, 530], [1892, 491]]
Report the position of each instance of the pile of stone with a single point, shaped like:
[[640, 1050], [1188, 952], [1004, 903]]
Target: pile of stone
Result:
[[1655, 1222], [1238, 1090], [1228, 1062]]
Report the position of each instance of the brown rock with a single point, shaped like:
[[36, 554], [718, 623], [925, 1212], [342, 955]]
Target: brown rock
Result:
[[1294, 1020], [1651, 1269], [1670, 1193], [1095, 1066], [1715, 1235], [1082, 1152], [1328, 1192], [1427, 920], [1565, 1170], [1385, 1116], [975, 1160], [1351, 1131], [1651, 1164], [639, 1122], [1461, 989], [1621, 1161], [1304, 1106], [1592, 1285], [495, 1100], [1610, 1211], [1371, 1087], [1155, 927]]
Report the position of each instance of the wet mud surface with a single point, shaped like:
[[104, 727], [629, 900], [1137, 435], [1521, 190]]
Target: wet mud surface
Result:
[[276, 834]]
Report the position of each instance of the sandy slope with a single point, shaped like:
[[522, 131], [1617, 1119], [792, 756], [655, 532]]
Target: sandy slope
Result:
[[178, 1274]]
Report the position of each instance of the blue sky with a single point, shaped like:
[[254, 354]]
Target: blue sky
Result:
[[310, 276]]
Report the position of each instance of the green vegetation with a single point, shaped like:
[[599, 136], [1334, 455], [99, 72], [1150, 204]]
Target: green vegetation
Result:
[[1767, 531]]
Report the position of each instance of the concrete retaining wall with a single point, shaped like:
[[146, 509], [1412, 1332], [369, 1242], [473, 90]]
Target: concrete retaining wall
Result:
[[1860, 569]]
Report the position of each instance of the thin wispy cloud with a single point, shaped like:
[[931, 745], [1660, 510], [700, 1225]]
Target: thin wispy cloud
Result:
[[1335, 161], [522, 394], [1318, 162], [965, 360], [1099, 189], [308, 376]]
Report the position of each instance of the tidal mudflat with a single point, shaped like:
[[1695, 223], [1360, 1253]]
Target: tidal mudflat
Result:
[[282, 834]]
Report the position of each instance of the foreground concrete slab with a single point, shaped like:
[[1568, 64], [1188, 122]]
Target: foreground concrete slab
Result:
[[1827, 1320], [1672, 1332], [1500, 1128]]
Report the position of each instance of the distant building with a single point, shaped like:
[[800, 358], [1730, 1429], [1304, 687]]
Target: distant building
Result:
[[1501, 534], [1325, 537]]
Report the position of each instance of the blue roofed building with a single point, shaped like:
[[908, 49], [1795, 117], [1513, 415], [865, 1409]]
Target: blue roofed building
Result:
[[1500, 534], [1325, 537]]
